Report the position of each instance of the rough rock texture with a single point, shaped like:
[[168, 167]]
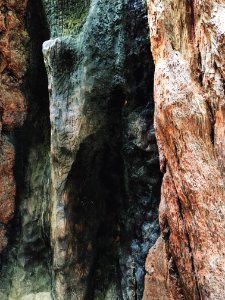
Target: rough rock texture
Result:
[[87, 170], [104, 163], [187, 41], [12, 107], [26, 262]]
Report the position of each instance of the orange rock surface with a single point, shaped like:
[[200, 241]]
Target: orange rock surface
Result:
[[187, 40]]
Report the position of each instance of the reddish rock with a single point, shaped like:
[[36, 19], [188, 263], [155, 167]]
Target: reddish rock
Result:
[[3, 240], [188, 48], [12, 107]]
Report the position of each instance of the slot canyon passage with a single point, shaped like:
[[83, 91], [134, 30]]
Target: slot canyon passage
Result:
[[112, 149]]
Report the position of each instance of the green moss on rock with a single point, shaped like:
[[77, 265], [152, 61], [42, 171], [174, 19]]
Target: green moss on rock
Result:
[[66, 17]]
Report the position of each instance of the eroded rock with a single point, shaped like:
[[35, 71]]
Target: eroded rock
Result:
[[87, 170], [104, 162], [186, 42], [12, 105]]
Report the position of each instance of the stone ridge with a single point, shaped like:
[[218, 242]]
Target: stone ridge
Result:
[[13, 63]]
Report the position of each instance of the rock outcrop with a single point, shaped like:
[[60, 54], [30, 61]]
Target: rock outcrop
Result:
[[187, 41], [104, 174], [12, 105], [80, 180], [86, 168]]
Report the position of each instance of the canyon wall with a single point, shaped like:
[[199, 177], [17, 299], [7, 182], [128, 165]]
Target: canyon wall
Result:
[[81, 173], [104, 166], [187, 42], [86, 163]]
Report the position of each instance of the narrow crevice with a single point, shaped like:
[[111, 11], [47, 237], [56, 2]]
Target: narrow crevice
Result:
[[142, 177], [212, 119], [190, 18]]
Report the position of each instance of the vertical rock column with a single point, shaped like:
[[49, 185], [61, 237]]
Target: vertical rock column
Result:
[[187, 40], [12, 105], [82, 57], [104, 161]]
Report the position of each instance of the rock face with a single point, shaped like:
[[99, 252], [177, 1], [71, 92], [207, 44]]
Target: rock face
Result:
[[80, 176], [104, 174], [187, 41], [12, 107], [25, 263], [86, 167]]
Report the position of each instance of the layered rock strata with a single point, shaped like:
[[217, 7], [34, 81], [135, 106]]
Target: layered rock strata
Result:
[[187, 41]]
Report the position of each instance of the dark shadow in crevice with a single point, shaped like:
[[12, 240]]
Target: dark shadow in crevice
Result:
[[95, 194], [142, 173]]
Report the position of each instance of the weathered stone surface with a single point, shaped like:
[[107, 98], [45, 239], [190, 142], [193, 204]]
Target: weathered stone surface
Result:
[[104, 162], [87, 171], [12, 107], [26, 262], [187, 40], [157, 264]]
